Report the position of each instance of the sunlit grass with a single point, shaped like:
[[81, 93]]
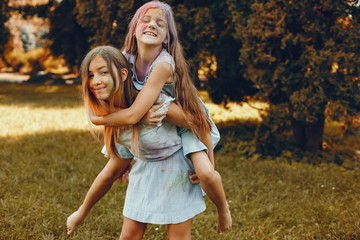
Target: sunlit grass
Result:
[[49, 159], [31, 120]]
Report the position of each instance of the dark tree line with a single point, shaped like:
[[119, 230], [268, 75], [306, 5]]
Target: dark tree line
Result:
[[300, 56], [4, 31]]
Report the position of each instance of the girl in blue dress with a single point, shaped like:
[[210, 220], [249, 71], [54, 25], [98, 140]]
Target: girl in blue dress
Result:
[[159, 189], [152, 47]]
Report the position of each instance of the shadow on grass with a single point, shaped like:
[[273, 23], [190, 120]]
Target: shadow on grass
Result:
[[44, 178], [38, 95]]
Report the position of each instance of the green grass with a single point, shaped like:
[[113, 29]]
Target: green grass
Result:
[[49, 159]]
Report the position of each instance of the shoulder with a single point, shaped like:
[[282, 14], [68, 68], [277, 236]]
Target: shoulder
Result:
[[165, 57], [163, 68], [162, 72]]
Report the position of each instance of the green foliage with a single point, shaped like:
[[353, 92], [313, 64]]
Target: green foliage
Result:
[[4, 31], [301, 55], [196, 29], [228, 82], [206, 33], [106, 21], [68, 38]]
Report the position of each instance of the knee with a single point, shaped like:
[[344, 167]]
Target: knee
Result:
[[128, 236]]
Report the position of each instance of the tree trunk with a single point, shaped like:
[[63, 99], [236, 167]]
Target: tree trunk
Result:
[[309, 136]]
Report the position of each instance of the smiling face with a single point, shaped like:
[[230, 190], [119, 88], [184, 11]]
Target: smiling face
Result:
[[100, 81], [152, 28]]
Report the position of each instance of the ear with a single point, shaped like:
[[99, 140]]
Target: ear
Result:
[[123, 73]]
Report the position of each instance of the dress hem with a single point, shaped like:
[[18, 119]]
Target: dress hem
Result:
[[160, 218]]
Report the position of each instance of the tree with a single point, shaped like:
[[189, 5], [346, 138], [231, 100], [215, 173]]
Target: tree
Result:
[[195, 27], [206, 33], [68, 38], [228, 82], [4, 31], [106, 21], [301, 55]]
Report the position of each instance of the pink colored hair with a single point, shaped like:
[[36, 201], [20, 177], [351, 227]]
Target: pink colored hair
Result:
[[185, 91]]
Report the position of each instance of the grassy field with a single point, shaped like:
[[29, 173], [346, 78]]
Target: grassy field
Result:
[[48, 160]]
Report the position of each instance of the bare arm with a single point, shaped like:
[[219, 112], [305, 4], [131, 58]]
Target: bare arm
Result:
[[177, 116], [145, 99], [101, 185]]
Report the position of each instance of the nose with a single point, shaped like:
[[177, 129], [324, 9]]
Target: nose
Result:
[[152, 25], [96, 79]]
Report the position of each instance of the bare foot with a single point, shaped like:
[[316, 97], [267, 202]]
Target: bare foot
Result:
[[224, 221], [73, 222]]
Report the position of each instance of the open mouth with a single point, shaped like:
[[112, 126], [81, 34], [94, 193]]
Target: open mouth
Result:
[[150, 34]]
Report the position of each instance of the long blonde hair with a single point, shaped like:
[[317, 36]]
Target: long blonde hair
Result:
[[185, 91], [123, 91]]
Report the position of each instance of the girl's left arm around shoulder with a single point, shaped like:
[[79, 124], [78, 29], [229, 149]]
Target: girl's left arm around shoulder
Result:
[[145, 99]]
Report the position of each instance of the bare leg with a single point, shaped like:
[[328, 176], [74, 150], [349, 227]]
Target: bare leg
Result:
[[180, 231], [132, 230], [211, 183], [101, 185]]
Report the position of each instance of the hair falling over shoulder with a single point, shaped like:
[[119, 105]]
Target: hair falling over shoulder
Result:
[[124, 92], [186, 93], [187, 96]]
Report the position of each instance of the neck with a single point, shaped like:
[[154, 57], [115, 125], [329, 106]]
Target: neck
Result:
[[145, 57]]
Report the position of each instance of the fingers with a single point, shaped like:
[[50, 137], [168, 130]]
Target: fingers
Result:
[[70, 232], [155, 107], [125, 176], [194, 179], [155, 118]]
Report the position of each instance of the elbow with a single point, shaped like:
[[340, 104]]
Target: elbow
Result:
[[108, 177], [133, 119]]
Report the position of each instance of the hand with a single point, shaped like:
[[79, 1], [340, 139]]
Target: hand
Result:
[[74, 221], [194, 179], [124, 178], [152, 117]]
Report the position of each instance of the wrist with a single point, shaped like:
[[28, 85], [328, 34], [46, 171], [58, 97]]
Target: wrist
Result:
[[83, 212], [97, 120]]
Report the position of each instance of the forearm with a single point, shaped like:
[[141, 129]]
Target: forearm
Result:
[[103, 182], [143, 102], [122, 117], [97, 190], [177, 116], [206, 139]]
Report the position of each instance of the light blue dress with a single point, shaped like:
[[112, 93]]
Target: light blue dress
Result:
[[159, 190]]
